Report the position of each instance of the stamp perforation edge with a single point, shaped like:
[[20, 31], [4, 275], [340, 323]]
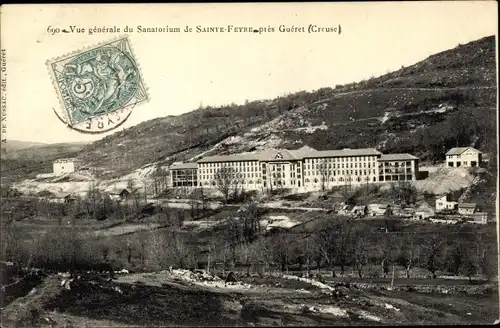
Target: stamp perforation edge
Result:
[[49, 62]]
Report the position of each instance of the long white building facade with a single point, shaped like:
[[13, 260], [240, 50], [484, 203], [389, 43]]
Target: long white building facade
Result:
[[304, 168]]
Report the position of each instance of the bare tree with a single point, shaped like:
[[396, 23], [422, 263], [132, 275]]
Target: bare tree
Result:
[[183, 250], [160, 181], [204, 202], [409, 254], [223, 254], [433, 245], [325, 172], [281, 249], [308, 249], [326, 240], [250, 214], [226, 179], [344, 251], [385, 244], [360, 246], [264, 252], [146, 183], [347, 194]]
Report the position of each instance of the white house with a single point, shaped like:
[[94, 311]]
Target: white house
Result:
[[444, 203], [480, 217], [467, 208], [463, 156], [65, 165]]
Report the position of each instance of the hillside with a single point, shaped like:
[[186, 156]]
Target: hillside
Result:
[[446, 100], [23, 159], [13, 145]]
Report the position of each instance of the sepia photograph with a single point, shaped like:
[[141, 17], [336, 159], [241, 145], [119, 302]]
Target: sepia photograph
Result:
[[249, 164]]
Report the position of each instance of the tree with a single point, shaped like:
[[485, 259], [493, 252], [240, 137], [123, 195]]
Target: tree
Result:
[[360, 246], [345, 231], [183, 250], [348, 196], [158, 251], [280, 241], [308, 249], [469, 265], [194, 207], [160, 177], [204, 202], [325, 174], [404, 191], [263, 251], [250, 215], [433, 245], [386, 248], [225, 179], [409, 253], [326, 240], [146, 183]]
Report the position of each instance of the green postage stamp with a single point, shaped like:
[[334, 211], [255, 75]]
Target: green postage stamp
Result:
[[98, 87]]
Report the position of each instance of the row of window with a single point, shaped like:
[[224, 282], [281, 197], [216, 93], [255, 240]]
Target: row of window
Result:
[[317, 161], [280, 182], [395, 164], [236, 169], [400, 177], [229, 164], [340, 166], [342, 159], [342, 179], [339, 172], [396, 170]]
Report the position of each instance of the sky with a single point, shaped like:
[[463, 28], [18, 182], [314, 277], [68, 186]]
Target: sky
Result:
[[183, 70]]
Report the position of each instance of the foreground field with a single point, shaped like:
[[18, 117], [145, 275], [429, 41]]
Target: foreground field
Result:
[[182, 298]]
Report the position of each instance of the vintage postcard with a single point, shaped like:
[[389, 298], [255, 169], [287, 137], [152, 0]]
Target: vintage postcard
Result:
[[249, 164]]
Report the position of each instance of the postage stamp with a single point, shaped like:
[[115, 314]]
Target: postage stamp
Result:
[[98, 87]]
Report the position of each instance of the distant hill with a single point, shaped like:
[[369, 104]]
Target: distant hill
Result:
[[446, 100], [13, 145], [20, 149], [25, 159]]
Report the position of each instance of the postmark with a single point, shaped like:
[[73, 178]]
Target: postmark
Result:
[[98, 87]]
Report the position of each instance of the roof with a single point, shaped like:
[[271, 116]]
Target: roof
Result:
[[397, 157], [460, 150], [229, 158], [448, 197], [117, 191], [424, 209], [274, 154], [62, 160], [180, 166], [344, 153], [467, 205]]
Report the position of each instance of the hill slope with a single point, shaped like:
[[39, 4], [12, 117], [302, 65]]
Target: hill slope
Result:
[[446, 100], [24, 160]]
